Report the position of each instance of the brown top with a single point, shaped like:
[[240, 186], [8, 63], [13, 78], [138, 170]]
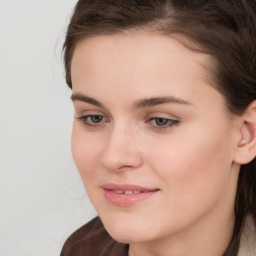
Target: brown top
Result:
[[93, 240]]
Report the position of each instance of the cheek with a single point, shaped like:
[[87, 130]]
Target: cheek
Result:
[[193, 165], [85, 151]]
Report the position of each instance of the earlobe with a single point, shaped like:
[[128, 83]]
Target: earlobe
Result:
[[246, 146]]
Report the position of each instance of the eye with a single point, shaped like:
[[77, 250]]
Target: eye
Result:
[[162, 123], [95, 119], [92, 120]]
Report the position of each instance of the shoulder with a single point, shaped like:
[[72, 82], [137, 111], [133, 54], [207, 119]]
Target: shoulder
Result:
[[93, 239]]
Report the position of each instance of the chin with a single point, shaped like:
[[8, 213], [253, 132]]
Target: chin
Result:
[[122, 235], [128, 229]]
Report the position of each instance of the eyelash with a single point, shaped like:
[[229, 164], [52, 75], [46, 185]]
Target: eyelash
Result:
[[84, 120], [170, 122]]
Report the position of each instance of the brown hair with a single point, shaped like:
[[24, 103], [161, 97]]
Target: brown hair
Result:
[[225, 29]]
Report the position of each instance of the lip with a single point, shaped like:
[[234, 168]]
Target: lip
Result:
[[126, 194]]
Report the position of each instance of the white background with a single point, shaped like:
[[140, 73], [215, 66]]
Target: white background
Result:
[[42, 199]]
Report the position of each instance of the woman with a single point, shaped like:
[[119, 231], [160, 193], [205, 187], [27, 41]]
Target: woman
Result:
[[164, 133]]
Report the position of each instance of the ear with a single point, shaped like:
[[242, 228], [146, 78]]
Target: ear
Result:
[[246, 146]]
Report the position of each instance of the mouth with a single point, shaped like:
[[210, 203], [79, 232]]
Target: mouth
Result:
[[128, 192], [124, 195]]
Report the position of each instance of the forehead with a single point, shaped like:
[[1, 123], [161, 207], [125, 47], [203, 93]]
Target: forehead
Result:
[[140, 49], [145, 63]]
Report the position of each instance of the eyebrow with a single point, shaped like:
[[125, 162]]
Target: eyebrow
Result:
[[150, 102], [143, 103], [83, 98]]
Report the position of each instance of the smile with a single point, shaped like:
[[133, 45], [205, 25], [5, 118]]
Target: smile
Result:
[[128, 192], [126, 195]]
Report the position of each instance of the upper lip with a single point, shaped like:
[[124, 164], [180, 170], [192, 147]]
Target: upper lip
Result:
[[126, 187]]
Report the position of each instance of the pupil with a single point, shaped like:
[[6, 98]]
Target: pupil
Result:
[[96, 119], [161, 121]]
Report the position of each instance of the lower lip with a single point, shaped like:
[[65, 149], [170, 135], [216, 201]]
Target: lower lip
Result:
[[126, 199]]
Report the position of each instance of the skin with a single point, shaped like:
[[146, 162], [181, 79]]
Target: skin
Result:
[[191, 162]]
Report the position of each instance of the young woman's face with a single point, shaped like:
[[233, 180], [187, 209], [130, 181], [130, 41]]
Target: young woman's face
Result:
[[151, 138]]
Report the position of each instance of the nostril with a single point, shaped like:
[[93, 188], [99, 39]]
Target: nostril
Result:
[[126, 166]]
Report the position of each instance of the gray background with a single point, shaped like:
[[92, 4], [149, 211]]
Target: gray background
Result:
[[42, 199]]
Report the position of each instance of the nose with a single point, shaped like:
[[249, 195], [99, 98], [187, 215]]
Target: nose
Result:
[[121, 151]]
